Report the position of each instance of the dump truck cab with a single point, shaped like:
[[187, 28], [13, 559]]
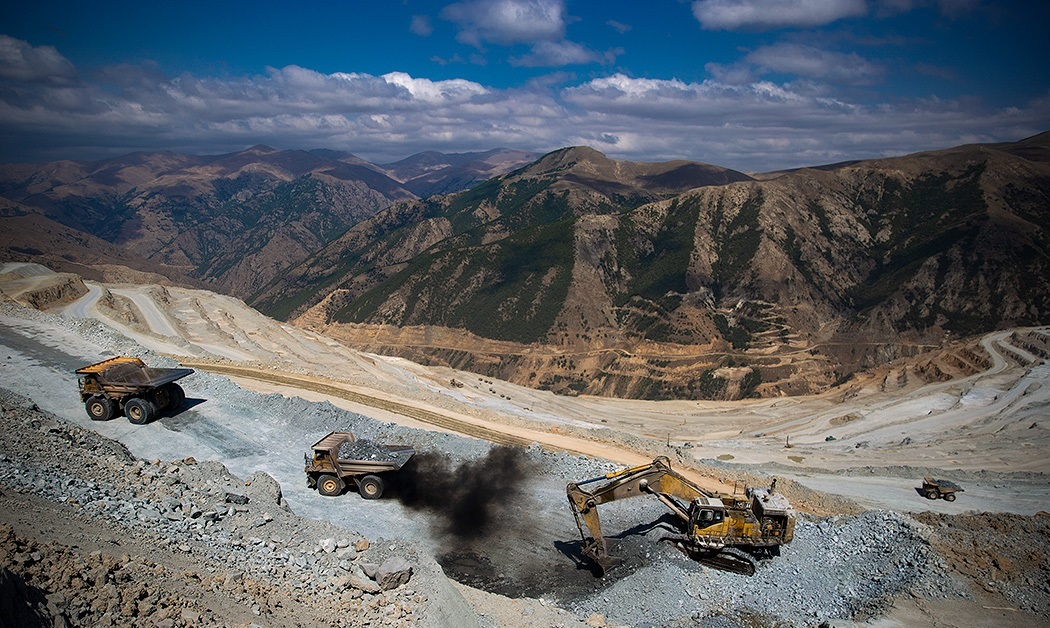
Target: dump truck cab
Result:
[[708, 516]]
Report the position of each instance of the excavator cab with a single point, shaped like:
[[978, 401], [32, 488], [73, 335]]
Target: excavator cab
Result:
[[708, 516]]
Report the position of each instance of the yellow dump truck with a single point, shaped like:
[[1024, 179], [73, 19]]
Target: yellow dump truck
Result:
[[127, 386], [340, 459]]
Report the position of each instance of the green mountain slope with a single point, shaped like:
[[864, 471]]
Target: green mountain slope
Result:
[[781, 285]]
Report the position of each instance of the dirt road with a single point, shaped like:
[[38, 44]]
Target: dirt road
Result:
[[445, 420], [993, 421]]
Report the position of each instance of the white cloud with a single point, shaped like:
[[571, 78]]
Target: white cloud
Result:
[[766, 126], [802, 60], [421, 25], [557, 53], [435, 92], [773, 14], [507, 22], [754, 124]]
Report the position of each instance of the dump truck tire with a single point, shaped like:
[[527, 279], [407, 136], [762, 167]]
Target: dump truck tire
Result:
[[100, 408], [949, 497], [329, 485], [140, 411], [932, 494], [176, 396], [371, 487]]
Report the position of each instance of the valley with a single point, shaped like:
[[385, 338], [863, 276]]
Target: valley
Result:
[[575, 273]]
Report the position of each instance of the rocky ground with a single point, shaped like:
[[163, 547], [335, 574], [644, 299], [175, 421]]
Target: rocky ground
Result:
[[94, 536], [204, 518], [112, 538]]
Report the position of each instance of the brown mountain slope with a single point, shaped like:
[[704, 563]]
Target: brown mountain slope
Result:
[[232, 222], [550, 276], [29, 237], [482, 228]]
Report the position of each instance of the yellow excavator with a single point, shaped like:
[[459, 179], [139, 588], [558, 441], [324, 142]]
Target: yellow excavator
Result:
[[724, 531]]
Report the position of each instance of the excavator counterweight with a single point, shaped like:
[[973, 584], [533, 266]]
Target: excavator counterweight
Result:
[[719, 529]]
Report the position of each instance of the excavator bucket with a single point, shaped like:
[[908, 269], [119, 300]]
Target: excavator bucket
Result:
[[602, 563]]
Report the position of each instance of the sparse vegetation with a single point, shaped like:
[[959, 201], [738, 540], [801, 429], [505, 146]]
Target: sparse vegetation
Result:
[[737, 242]]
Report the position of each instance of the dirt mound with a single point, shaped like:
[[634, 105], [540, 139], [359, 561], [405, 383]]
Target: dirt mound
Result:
[[1004, 555]]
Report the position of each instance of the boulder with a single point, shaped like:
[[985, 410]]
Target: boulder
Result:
[[393, 573]]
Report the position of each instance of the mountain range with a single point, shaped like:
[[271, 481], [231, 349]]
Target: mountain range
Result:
[[578, 273], [228, 222]]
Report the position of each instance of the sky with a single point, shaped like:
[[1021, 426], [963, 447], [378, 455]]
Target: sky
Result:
[[755, 85]]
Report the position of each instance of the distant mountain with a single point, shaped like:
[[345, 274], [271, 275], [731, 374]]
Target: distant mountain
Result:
[[480, 227], [232, 222], [583, 274], [429, 173]]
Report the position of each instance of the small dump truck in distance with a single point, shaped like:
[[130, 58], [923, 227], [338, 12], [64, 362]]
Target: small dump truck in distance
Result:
[[933, 488], [127, 386], [339, 458]]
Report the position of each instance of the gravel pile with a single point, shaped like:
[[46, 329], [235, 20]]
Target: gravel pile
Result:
[[364, 450], [844, 568], [239, 532], [1009, 555], [840, 568]]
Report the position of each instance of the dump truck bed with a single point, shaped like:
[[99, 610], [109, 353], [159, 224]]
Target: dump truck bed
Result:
[[943, 485], [397, 459], [363, 456], [128, 374]]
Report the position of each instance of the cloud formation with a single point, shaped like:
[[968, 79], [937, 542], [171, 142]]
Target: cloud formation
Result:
[[540, 24], [506, 22], [559, 53], [43, 64], [772, 14], [812, 62], [420, 25], [49, 110]]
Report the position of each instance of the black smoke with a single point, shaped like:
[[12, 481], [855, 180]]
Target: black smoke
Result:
[[471, 500]]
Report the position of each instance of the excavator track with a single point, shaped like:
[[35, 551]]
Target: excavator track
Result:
[[728, 559], [731, 560]]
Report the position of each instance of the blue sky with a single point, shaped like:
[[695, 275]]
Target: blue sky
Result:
[[749, 84]]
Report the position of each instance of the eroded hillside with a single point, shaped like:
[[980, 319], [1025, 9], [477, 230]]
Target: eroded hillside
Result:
[[569, 276]]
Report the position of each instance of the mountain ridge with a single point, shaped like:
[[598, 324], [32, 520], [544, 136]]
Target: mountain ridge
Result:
[[229, 221], [776, 286]]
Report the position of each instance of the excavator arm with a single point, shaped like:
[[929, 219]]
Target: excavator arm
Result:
[[656, 479]]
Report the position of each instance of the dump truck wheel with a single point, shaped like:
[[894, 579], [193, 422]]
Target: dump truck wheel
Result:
[[100, 408], [950, 497], [371, 487], [932, 494], [140, 411], [176, 396], [329, 485]]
